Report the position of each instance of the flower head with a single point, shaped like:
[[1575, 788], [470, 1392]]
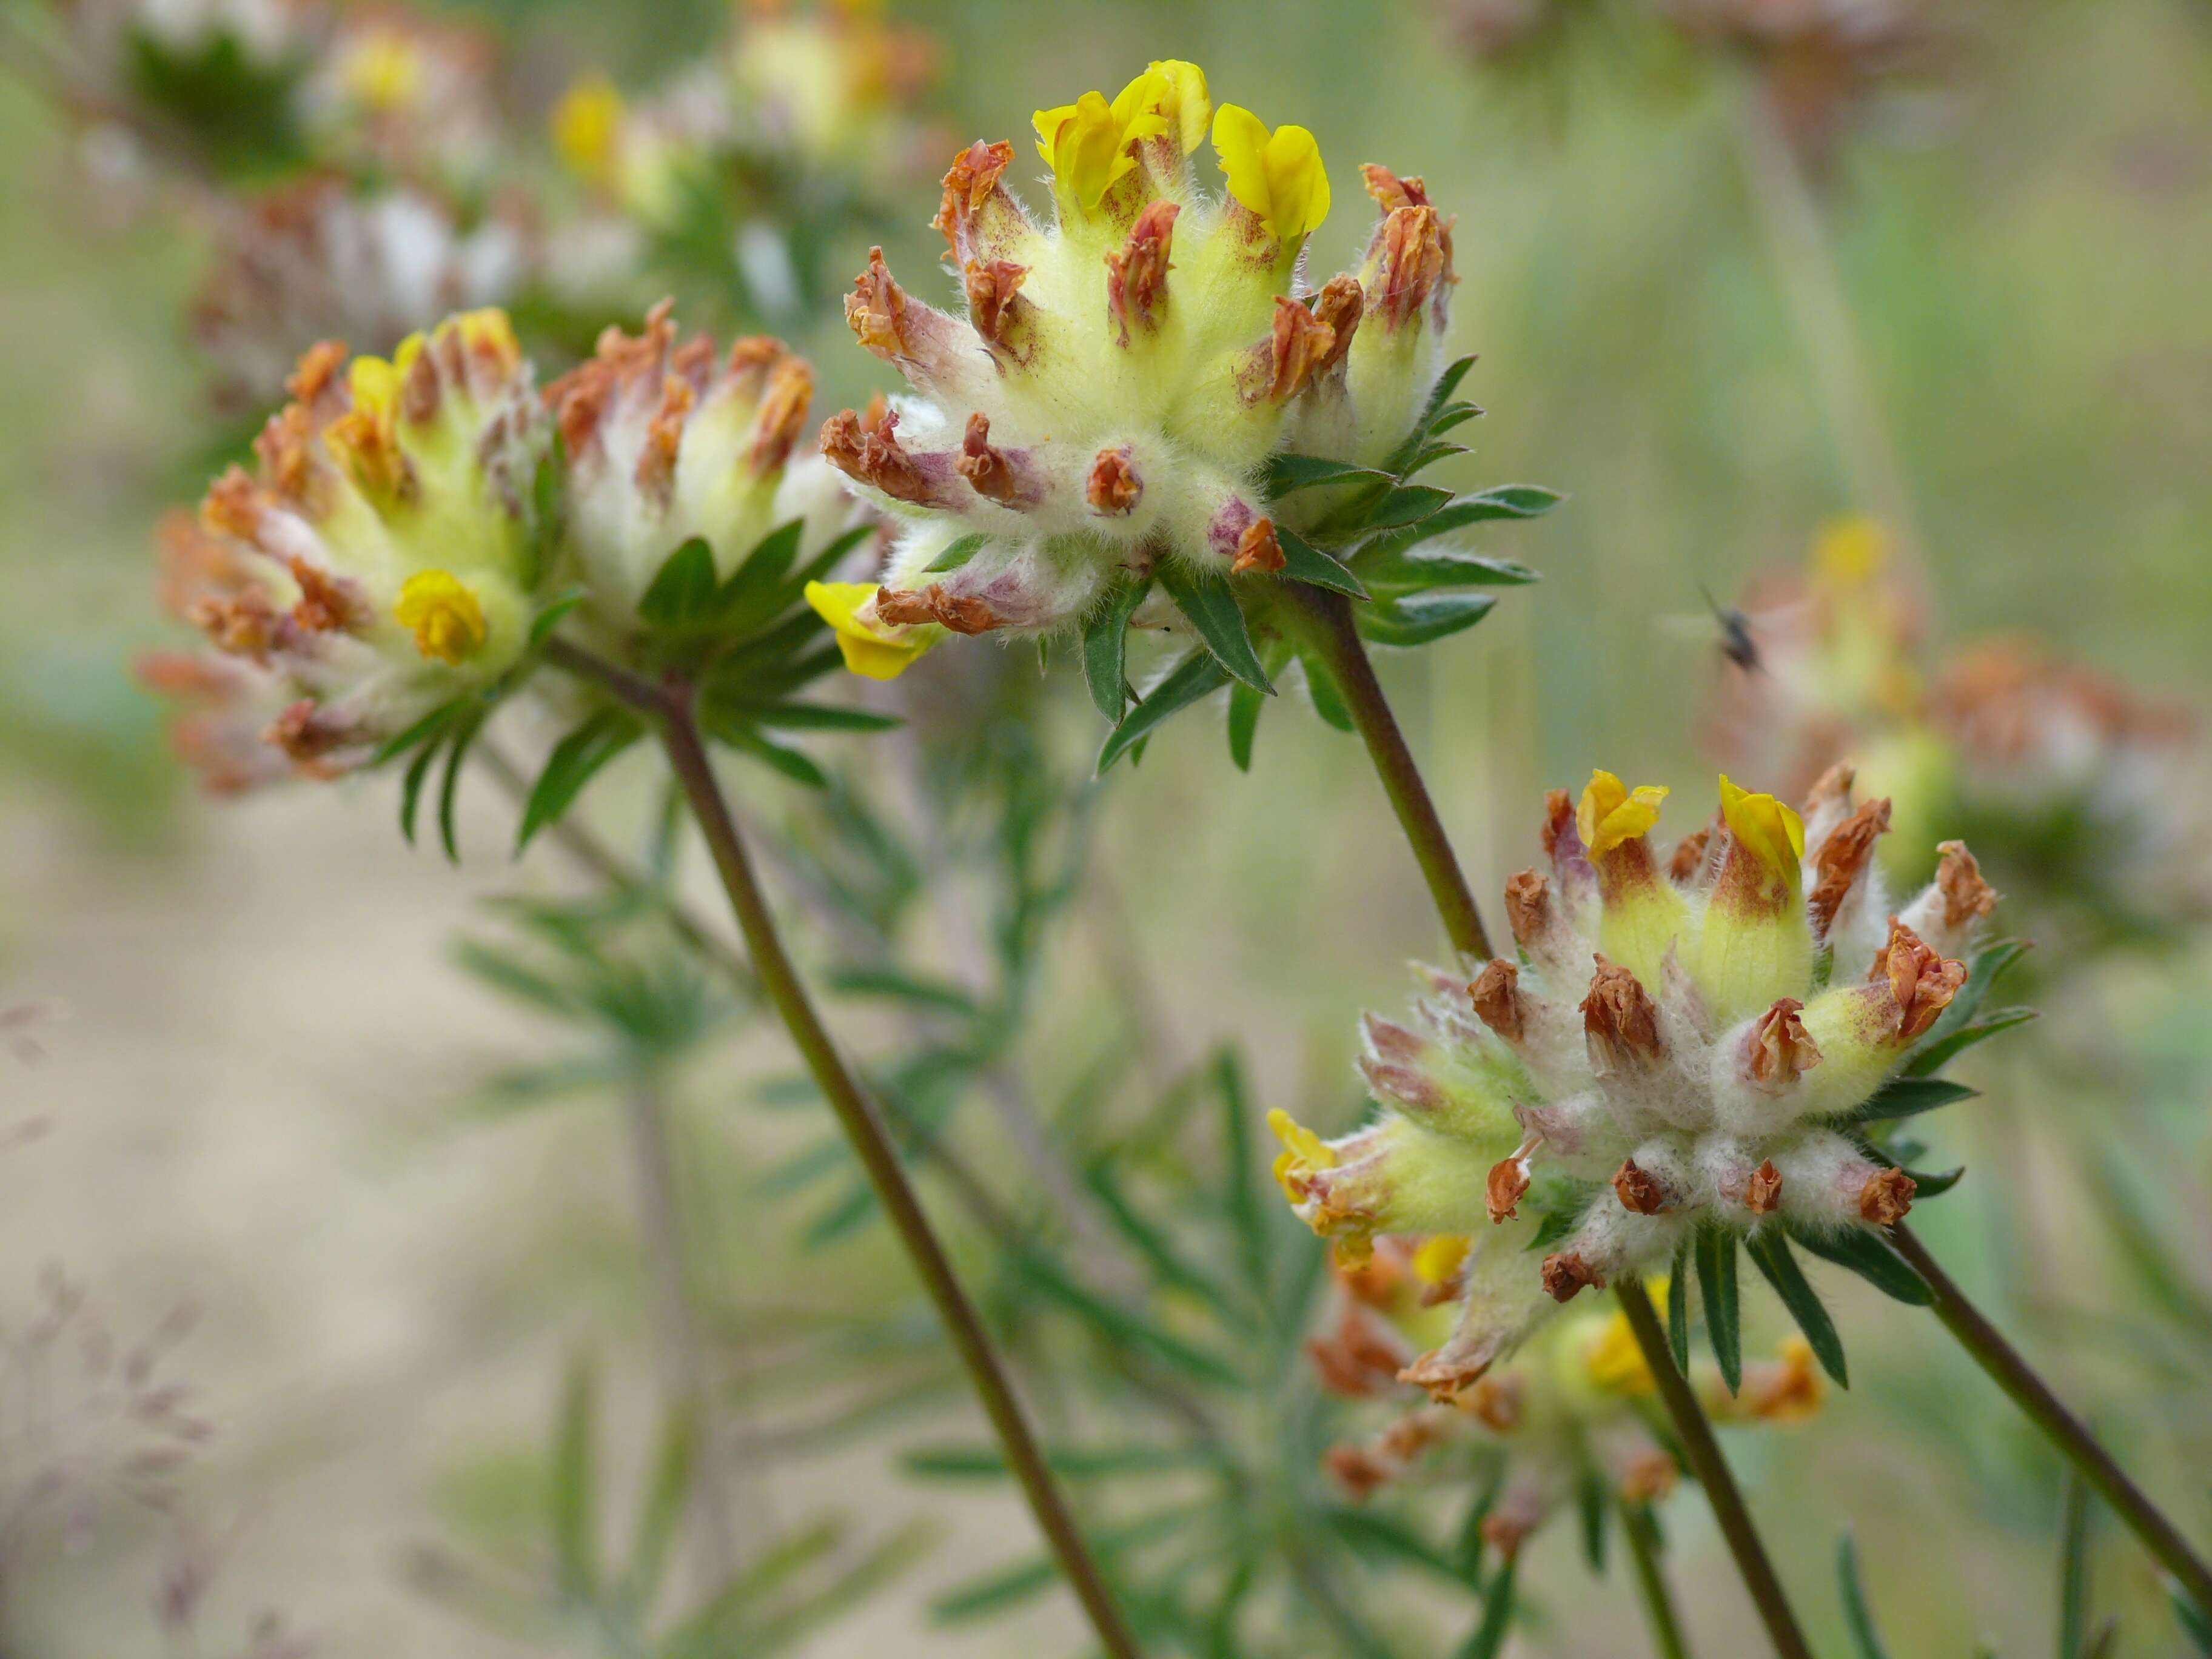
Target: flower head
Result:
[[1683, 1043], [380, 559], [1102, 411], [667, 441]]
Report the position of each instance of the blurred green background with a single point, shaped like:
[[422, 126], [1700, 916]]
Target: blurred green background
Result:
[[262, 1099]]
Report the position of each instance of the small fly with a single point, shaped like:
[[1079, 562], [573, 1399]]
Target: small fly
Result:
[[1739, 629]]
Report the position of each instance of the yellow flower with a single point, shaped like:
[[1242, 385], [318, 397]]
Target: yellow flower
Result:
[[1182, 99], [1851, 551], [384, 73], [1439, 1260], [1278, 175], [586, 124], [1614, 1361], [1088, 144], [1304, 1151], [1611, 813], [1771, 832], [444, 616], [870, 649]]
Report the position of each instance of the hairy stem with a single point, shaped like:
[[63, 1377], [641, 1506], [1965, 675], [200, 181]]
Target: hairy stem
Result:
[[1324, 620], [856, 1115], [2011, 1372], [1711, 1469], [1643, 1537]]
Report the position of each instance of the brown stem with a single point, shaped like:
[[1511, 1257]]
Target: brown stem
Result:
[[1325, 621], [856, 1115], [2011, 1372], [1711, 1469]]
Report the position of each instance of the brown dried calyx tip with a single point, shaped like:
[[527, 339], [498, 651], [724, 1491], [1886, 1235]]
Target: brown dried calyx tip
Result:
[[317, 370], [1781, 1048], [1338, 305], [1841, 857], [327, 604], [1689, 856], [876, 310], [866, 447], [933, 604], [991, 286], [1619, 1016], [1887, 1196], [1113, 488], [984, 467], [1137, 271], [1762, 1194], [968, 183], [1922, 980], [1565, 1275], [782, 413], [1833, 785], [1558, 818], [1638, 1190], [1298, 344], [1528, 904], [1494, 1402], [1496, 995], [1356, 1469], [1967, 896], [1258, 551], [1507, 1182]]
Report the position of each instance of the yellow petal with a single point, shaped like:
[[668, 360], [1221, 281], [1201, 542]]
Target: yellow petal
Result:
[[444, 616], [870, 650], [1611, 813], [1771, 832], [1278, 175], [1438, 1259], [1187, 108], [586, 124], [1084, 145]]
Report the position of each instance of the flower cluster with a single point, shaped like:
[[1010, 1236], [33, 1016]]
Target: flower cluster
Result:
[[2063, 776], [1569, 1408], [380, 559], [1106, 405], [666, 442], [1684, 1043]]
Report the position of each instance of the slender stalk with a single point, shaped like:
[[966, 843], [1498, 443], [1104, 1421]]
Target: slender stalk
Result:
[[2028, 1391], [1643, 1537], [856, 1115], [1789, 217], [1325, 620], [1712, 1471], [674, 1295]]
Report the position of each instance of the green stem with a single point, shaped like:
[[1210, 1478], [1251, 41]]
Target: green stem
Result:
[[1323, 619], [1643, 1537], [2011, 1372], [1711, 1469], [856, 1115]]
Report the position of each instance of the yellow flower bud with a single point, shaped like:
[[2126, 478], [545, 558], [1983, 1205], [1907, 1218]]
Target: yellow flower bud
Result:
[[1611, 813], [1278, 175], [446, 618]]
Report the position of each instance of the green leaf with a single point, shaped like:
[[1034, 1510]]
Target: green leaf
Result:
[[411, 791], [666, 1495], [1244, 706], [1868, 1254], [989, 1463], [1858, 1617], [1212, 609], [573, 763], [2192, 1619], [1489, 1638], [1430, 453], [826, 560], [1420, 569], [958, 553], [1770, 1253], [1117, 1324], [756, 585], [1908, 1097], [929, 995], [554, 612], [573, 1495], [545, 529], [1983, 973], [817, 717], [685, 592], [2074, 1569], [1716, 1256], [1678, 1307], [1105, 647], [1451, 416], [428, 725], [1933, 1056], [1194, 677], [1290, 473], [1595, 1505], [1328, 697], [449, 788], [1407, 504], [1375, 1535], [1934, 1183], [1421, 618], [1464, 510], [1304, 563], [1512, 502], [778, 756], [1240, 1176]]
